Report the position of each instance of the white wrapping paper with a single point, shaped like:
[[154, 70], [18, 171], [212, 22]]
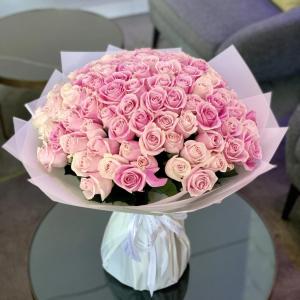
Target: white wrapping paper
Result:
[[169, 246]]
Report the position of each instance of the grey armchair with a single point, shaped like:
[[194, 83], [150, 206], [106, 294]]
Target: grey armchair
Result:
[[292, 155], [268, 39]]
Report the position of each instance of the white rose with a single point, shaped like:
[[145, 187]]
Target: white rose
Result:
[[177, 168]]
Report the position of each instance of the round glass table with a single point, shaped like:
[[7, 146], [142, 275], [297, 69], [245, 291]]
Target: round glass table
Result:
[[232, 257]]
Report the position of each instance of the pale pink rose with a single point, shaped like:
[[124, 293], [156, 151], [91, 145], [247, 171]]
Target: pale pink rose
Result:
[[70, 94], [126, 65], [73, 142], [109, 164], [145, 162], [128, 105], [161, 80], [177, 168], [152, 140], [149, 59], [141, 70], [139, 120], [84, 163], [237, 109], [104, 70], [98, 145], [174, 142], [135, 86], [235, 151], [112, 92], [166, 120], [213, 140], [253, 147], [192, 102], [50, 157], [122, 75], [54, 102], [73, 120], [199, 181], [184, 81], [92, 129], [207, 116], [57, 131], [214, 78], [176, 99], [195, 152], [203, 87], [231, 127], [130, 150], [106, 114], [91, 79], [95, 184], [183, 58], [217, 163], [154, 100], [130, 178], [119, 129], [192, 71], [172, 67], [187, 124], [199, 63], [249, 129], [89, 107]]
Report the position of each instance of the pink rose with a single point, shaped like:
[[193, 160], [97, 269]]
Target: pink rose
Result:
[[89, 107], [195, 152], [249, 129], [92, 80], [187, 124], [203, 87], [252, 146], [138, 121], [161, 80], [251, 115], [92, 129], [237, 109], [184, 81], [134, 86], [130, 150], [99, 146], [70, 95], [199, 63], [215, 78], [50, 157], [166, 120], [145, 162], [172, 67], [154, 100], [106, 114], [220, 102], [207, 116], [177, 168], [57, 131], [109, 164], [174, 142], [176, 99], [121, 75], [119, 129], [130, 178], [231, 127], [112, 92], [73, 142], [84, 163], [212, 139], [128, 105], [192, 71], [141, 70], [95, 184], [235, 151], [73, 120], [217, 162], [192, 102], [152, 140], [199, 181]]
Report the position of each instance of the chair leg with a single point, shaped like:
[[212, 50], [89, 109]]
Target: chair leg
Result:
[[156, 35], [290, 201]]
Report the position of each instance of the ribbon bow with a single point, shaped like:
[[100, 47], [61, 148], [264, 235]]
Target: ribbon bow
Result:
[[153, 227]]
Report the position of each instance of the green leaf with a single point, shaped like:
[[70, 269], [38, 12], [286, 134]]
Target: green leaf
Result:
[[229, 173], [168, 189]]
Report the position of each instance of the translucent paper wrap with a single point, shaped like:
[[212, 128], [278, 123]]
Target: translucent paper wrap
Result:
[[132, 240]]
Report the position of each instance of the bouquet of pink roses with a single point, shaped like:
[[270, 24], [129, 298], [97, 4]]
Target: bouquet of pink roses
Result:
[[153, 133], [143, 120]]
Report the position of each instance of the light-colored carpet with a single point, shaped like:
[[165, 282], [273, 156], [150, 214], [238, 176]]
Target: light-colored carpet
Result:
[[22, 207]]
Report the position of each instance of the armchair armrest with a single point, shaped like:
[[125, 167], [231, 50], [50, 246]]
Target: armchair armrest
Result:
[[270, 47]]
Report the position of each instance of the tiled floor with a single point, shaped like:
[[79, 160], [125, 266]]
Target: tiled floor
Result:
[[22, 207]]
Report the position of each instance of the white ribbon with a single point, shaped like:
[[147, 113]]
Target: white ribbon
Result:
[[153, 227]]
